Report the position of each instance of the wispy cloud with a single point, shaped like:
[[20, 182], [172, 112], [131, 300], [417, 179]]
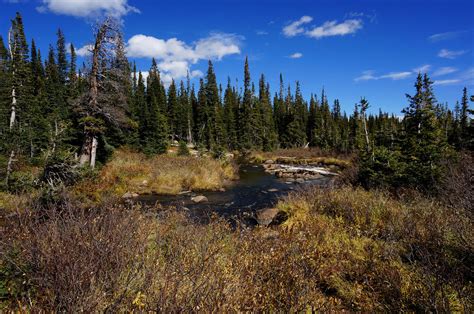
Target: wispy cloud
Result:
[[445, 36], [333, 28], [366, 76], [465, 78], [444, 71], [447, 82], [397, 75], [422, 69], [371, 17], [261, 33], [296, 55], [370, 76], [294, 28], [451, 54], [327, 29]]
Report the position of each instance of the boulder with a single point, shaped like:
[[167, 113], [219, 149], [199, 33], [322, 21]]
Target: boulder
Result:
[[272, 190], [270, 216], [269, 162], [199, 199], [299, 180]]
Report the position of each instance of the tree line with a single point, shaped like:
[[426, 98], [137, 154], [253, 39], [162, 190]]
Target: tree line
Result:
[[51, 105]]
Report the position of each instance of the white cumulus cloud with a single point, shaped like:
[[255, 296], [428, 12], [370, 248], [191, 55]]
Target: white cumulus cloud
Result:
[[87, 8], [84, 51], [175, 57]]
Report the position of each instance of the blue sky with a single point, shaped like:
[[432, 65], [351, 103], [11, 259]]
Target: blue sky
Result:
[[351, 48]]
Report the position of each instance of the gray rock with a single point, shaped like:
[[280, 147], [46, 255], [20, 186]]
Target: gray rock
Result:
[[272, 190], [270, 216], [199, 199], [269, 162], [300, 180]]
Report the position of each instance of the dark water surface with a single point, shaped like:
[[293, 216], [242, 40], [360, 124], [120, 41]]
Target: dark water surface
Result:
[[255, 190]]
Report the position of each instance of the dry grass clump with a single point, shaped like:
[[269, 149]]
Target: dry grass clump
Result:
[[134, 172], [303, 156], [424, 249], [346, 250]]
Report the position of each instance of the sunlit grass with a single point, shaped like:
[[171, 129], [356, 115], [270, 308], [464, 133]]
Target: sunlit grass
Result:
[[134, 172]]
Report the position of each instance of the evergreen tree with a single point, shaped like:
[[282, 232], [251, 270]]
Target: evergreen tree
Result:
[[423, 147], [230, 121], [464, 121], [269, 133], [245, 116], [173, 109], [296, 129], [61, 58]]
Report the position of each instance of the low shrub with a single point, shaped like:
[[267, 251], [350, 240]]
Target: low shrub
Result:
[[341, 250]]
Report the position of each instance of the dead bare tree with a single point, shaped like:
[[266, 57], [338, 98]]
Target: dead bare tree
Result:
[[13, 103], [105, 101]]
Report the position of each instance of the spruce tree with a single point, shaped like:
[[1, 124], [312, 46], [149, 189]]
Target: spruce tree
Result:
[[173, 109], [61, 57], [245, 116], [230, 121], [423, 146], [269, 135], [464, 120]]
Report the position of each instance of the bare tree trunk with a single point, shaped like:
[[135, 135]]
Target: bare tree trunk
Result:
[[366, 133], [9, 166], [13, 110], [13, 106], [94, 151], [190, 134], [85, 156]]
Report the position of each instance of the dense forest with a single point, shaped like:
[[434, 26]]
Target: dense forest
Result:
[[48, 105]]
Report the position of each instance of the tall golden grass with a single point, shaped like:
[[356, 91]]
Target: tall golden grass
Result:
[[134, 172], [341, 250]]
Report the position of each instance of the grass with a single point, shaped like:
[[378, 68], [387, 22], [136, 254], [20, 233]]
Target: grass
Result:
[[134, 172], [341, 250], [301, 156]]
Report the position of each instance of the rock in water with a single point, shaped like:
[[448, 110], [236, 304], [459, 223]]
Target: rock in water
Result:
[[269, 162], [199, 199]]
